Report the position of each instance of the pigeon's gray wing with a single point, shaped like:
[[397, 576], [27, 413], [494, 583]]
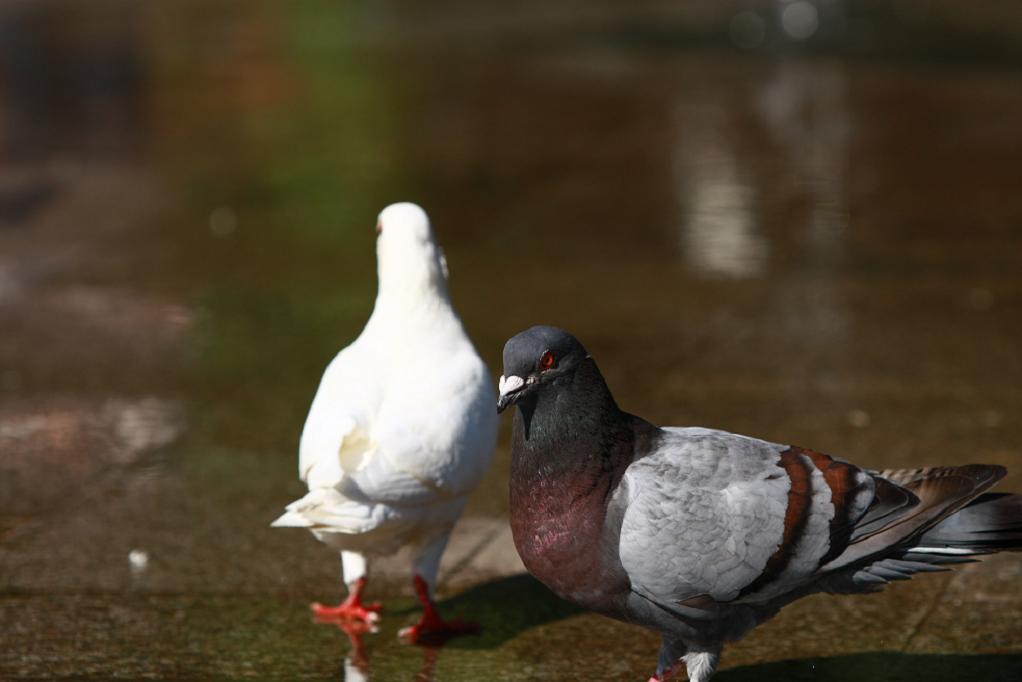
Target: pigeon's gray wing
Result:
[[710, 516], [705, 513]]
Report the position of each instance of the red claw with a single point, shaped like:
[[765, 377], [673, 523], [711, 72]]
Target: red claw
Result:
[[356, 654], [351, 609], [431, 628]]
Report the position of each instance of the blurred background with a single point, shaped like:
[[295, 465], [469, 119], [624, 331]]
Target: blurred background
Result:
[[799, 220]]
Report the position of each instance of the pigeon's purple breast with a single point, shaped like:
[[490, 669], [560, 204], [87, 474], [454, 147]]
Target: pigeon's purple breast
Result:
[[560, 532], [565, 524]]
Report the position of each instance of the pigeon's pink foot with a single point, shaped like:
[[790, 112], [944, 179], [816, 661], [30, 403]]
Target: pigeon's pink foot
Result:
[[664, 676], [431, 628], [351, 609]]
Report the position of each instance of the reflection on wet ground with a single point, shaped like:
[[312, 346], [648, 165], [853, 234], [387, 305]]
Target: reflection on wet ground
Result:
[[821, 247]]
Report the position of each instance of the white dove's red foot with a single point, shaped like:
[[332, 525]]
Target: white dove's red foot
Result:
[[431, 628], [351, 609]]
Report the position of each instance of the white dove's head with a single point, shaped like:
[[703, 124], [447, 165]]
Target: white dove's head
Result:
[[408, 259]]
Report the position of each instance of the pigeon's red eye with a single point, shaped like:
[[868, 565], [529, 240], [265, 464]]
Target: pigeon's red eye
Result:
[[546, 361]]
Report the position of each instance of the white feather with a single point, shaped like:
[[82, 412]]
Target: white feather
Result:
[[942, 550]]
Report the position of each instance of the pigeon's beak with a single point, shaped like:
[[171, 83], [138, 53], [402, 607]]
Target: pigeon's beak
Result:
[[510, 389]]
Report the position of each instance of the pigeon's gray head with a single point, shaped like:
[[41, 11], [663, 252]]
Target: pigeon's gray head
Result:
[[536, 358], [408, 258]]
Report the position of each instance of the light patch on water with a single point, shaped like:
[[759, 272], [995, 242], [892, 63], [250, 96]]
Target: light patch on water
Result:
[[718, 229], [800, 20], [720, 239], [143, 425], [223, 221], [119, 431], [10, 286], [22, 428], [106, 305], [860, 419], [806, 111]]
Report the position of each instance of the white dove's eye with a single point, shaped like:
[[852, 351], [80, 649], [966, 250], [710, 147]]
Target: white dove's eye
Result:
[[546, 360]]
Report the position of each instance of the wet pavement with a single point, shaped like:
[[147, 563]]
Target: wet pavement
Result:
[[820, 246]]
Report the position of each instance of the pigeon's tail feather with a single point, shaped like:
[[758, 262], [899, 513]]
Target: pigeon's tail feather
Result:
[[914, 504], [901, 565], [990, 523]]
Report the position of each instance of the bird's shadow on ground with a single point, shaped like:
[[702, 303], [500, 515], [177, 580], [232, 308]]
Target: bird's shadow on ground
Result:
[[504, 608], [884, 667], [509, 606]]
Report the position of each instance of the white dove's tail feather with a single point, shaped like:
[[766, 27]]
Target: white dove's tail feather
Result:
[[290, 519], [326, 509]]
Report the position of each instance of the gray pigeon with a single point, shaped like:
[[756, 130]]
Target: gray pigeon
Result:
[[700, 534]]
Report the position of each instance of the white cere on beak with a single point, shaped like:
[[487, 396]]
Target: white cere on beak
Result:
[[509, 384]]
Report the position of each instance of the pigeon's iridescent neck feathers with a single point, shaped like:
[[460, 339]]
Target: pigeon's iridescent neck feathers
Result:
[[570, 447]]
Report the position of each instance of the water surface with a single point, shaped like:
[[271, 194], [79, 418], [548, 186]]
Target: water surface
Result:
[[819, 246]]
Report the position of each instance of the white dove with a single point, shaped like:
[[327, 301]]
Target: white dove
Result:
[[401, 429]]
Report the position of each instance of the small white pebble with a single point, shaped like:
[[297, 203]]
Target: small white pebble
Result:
[[858, 418], [138, 559]]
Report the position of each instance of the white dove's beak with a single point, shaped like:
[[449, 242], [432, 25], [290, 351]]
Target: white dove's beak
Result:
[[508, 387]]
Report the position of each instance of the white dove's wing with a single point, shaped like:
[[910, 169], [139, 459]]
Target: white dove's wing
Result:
[[435, 436], [338, 433], [337, 440]]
